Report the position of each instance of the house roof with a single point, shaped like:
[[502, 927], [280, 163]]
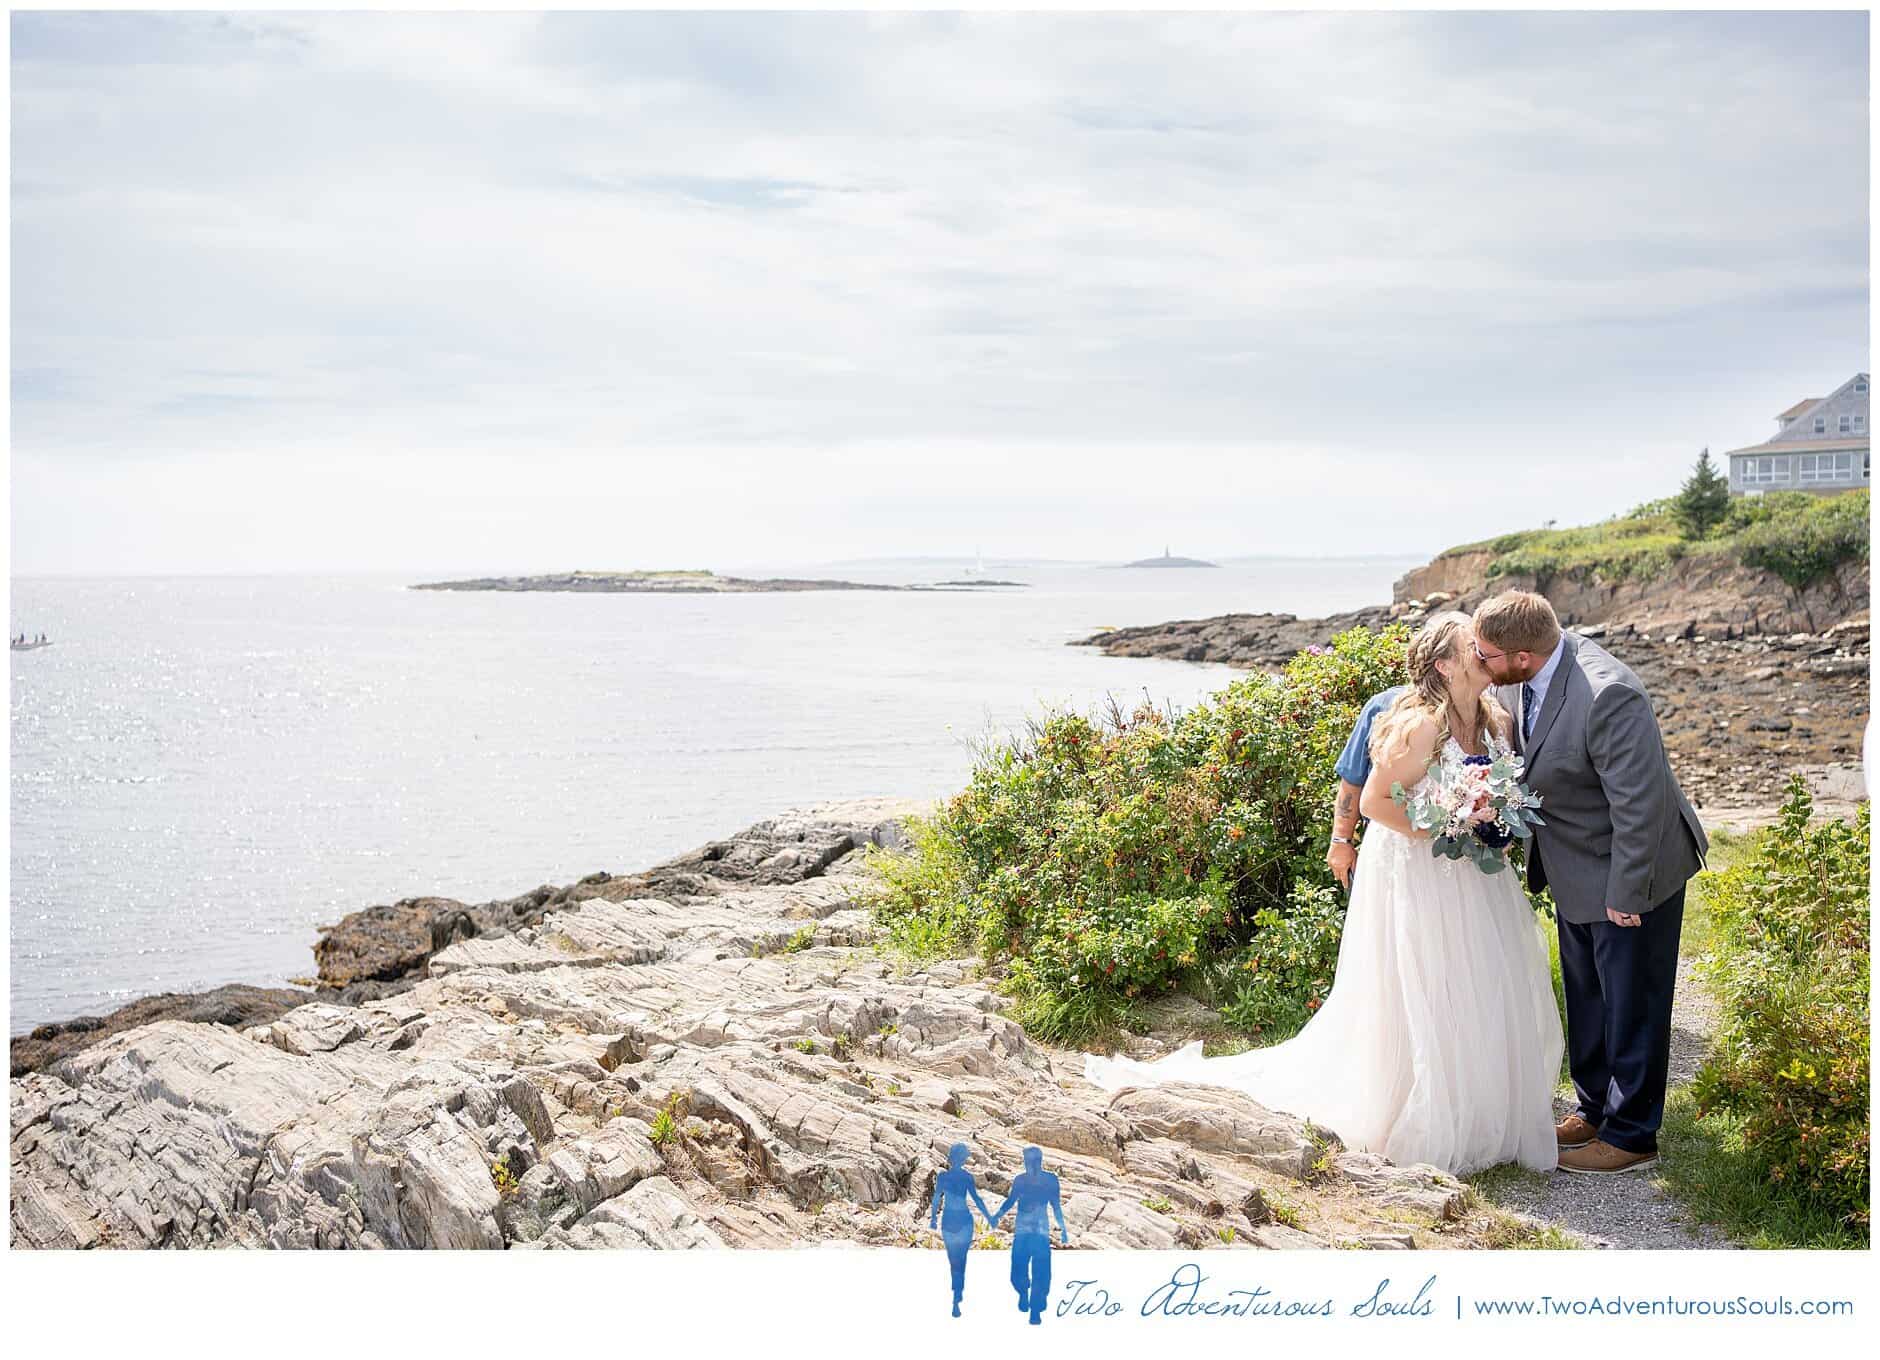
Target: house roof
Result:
[[1798, 408], [1851, 445]]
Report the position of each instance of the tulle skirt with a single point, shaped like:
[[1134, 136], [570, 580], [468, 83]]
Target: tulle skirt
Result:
[[1439, 1042]]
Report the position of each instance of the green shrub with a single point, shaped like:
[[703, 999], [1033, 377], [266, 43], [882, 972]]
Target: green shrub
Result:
[[1791, 967], [1806, 544], [922, 897], [1615, 550], [1105, 860], [1747, 510], [1798, 537], [1664, 505], [1290, 964]]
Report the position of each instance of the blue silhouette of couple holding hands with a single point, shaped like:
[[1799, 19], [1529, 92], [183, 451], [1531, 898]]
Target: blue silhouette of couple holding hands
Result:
[[1034, 1191]]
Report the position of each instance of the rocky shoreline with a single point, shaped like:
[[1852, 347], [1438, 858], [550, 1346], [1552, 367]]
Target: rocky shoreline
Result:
[[381, 951], [710, 1053], [236, 1005], [1739, 713]]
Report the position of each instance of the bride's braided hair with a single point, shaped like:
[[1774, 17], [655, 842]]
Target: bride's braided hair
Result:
[[1439, 639]]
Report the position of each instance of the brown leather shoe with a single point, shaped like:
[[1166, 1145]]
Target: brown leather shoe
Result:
[[1574, 1132], [1600, 1158]]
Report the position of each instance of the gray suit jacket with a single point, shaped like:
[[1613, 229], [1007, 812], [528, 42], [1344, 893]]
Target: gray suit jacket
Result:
[[1619, 831]]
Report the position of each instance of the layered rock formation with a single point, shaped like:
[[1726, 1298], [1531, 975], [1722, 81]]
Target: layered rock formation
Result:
[[1709, 595], [238, 1005], [734, 1064], [383, 950]]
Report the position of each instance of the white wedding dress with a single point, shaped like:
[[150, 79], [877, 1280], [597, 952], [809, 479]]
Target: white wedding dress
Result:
[[1439, 1042]]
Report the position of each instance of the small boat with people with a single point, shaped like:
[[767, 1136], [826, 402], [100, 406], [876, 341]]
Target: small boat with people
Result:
[[22, 643]]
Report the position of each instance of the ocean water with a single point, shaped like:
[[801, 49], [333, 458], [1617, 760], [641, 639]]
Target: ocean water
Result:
[[205, 769]]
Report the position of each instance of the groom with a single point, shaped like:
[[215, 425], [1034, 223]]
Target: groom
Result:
[[1618, 845]]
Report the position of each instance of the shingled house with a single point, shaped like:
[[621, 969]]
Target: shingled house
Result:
[[1820, 444]]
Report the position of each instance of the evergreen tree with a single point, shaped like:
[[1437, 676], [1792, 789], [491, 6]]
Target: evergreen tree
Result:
[[1704, 500]]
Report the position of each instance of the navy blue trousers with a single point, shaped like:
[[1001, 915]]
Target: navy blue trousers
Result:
[[1619, 981]]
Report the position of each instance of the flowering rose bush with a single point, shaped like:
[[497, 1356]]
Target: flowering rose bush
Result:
[[1289, 966], [1108, 859]]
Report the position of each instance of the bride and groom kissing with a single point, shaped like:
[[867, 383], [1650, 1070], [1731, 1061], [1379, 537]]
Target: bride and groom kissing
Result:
[[1440, 1041]]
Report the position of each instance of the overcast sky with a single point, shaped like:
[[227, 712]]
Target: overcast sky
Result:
[[515, 292]]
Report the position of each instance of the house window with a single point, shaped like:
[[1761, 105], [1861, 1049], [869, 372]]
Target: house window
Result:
[[1845, 418], [1764, 471], [1860, 423], [1826, 467], [1860, 385], [1821, 424]]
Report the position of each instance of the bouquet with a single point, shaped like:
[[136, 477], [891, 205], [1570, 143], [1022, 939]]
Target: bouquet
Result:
[[1474, 810]]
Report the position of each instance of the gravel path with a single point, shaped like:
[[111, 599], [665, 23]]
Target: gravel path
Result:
[[1631, 1210]]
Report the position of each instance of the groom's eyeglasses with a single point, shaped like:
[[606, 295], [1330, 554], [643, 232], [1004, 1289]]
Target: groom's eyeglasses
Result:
[[1485, 656]]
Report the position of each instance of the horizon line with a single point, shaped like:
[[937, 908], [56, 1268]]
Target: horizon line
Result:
[[732, 569]]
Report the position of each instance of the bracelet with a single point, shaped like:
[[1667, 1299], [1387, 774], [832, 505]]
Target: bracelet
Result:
[[1342, 840]]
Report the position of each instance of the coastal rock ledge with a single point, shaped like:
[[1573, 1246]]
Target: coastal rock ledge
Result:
[[734, 1069]]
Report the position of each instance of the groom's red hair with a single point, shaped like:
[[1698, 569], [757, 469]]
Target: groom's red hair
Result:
[[1518, 621]]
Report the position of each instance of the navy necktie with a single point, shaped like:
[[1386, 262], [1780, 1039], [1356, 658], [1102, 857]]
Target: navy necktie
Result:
[[1527, 712]]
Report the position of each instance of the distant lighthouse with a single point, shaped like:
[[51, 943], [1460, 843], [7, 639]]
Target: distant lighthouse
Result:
[[1169, 559]]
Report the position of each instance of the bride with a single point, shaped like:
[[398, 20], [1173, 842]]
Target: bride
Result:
[[1439, 1041]]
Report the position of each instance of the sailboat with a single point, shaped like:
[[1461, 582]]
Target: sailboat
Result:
[[20, 645]]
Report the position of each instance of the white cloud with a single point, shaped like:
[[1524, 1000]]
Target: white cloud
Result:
[[711, 253]]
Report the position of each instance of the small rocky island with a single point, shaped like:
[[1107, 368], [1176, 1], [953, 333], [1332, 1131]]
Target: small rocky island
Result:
[[679, 583], [1167, 560], [645, 582]]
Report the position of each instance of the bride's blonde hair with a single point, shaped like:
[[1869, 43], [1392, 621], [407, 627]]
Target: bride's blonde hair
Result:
[[1440, 639]]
